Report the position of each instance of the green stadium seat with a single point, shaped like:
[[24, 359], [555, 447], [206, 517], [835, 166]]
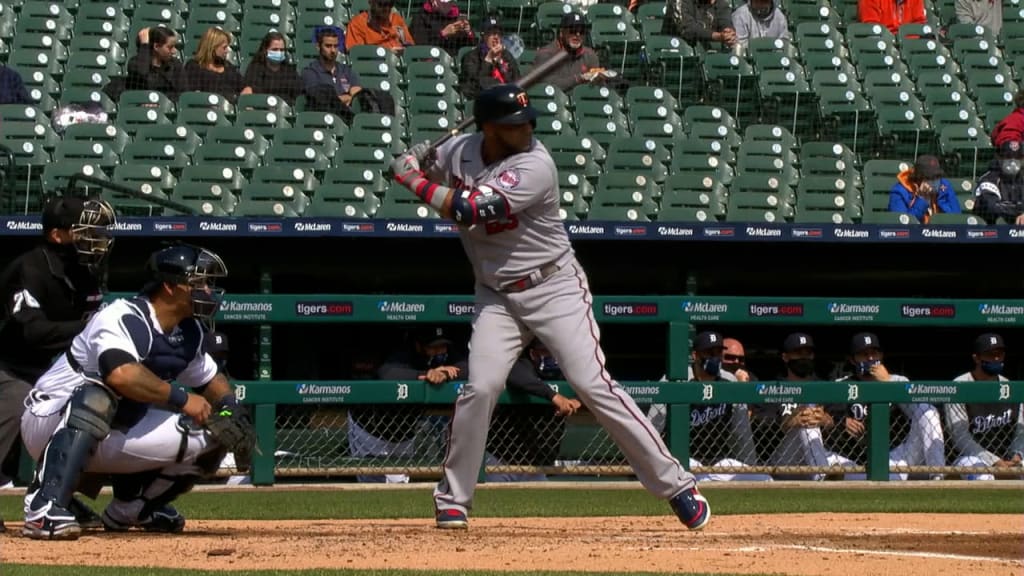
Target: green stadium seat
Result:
[[230, 179], [889, 218], [429, 127], [787, 99], [845, 115], [238, 156], [109, 134], [60, 27], [595, 93], [731, 83], [264, 122], [638, 155], [547, 19], [98, 153], [28, 62], [222, 200], [245, 137], [716, 133], [145, 178], [87, 96], [619, 44], [322, 120], [650, 18], [114, 30], [674, 65], [405, 211], [85, 79], [182, 138], [131, 119], [956, 219], [42, 134], [164, 154], [949, 116], [41, 43], [680, 191], [147, 99], [301, 179], [903, 129], [266, 208], [604, 130], [201, 120], [772, 133], [685, 214], [615, 213], [967, 151], [427, 53], [264, 103], [434, 107], [57, 175], [96, 62], [294, 155], [318, 138], [625, 190], [549, 100]]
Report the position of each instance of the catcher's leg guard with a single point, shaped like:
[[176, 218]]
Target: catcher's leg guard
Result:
[[89, 413]]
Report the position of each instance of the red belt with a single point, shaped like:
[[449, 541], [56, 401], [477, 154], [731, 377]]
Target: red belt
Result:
[[527, 282]]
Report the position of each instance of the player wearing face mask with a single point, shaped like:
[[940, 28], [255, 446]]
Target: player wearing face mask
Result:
[[916, 429], [270, 72], [759, 19], [1000, 191], [720, 434], [792, 433], [986, 434]]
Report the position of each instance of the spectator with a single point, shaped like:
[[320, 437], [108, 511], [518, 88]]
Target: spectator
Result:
[[530, 434], [330, 84], [923, 190], [794, 431], [986, 434], [1000, 190], [390, 430], [891, 13], [1011, 128], [489, 64], [156, 65], [380, 26], [209, 69], [270, 72], [916, 428], [759, 19], [987, 13], [440, 24], [12, 88], [700, 22], [582, 66]]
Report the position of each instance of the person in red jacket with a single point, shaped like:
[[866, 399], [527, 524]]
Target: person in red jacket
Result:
[[1011, 128], [891, 13]]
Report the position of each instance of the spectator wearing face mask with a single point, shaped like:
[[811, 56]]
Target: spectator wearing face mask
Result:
[[922, 191], [489, 64], [270, 72], [439, 24], [381, 25], [759, 19], [1000, 190], [209, 69]]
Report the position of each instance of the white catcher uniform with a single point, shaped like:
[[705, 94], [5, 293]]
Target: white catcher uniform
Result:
[[528, 283], [152, 442]]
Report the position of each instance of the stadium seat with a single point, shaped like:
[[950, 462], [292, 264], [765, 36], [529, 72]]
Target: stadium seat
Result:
[[674, 65], [197, 194], [956, 219], [201, 120], [98, 153], [297, 155], [238, 156], [732, 83], [967, 151], [57, 175], [618, 43], [228, 178], [39, 133], [616, 213], [638, 155], [322, 120], [88, 96], [109, 134], [624, 190], [890, 218], [301, 179]]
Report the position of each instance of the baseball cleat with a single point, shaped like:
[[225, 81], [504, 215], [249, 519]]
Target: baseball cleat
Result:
[[452, 519], [86, 518], [166, 520], [692, 508], [51, 523]]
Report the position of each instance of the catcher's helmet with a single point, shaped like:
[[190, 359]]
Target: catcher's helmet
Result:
[[197, 267], [503, 104]]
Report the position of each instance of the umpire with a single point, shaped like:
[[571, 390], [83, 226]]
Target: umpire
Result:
[[48, 294]]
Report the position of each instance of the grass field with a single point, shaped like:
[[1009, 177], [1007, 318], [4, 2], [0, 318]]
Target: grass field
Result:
[[314, 504], [416, 503]]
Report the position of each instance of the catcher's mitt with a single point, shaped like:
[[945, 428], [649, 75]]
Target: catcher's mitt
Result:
[[232, 426]]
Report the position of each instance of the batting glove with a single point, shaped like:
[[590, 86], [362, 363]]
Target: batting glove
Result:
[[421, 151], [406, 168]]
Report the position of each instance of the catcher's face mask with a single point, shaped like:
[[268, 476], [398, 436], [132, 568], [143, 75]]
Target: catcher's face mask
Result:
[[202, 282], [91, 235]]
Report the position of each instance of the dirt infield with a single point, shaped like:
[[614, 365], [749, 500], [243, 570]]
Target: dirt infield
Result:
[[793, 544]]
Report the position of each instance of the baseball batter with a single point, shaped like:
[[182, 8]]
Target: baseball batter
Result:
[[500, 186]]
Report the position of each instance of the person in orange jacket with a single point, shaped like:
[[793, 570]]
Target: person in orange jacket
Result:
[[891, 13]]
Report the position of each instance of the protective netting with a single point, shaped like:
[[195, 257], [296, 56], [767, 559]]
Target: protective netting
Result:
[[727, 441]]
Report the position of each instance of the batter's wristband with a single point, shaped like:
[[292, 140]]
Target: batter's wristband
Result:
[[427, 191], [178, 397]]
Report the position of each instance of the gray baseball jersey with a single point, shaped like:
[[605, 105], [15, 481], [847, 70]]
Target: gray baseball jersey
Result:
[[534, 236]]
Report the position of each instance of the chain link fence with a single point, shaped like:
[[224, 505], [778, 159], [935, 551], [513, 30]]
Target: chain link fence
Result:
[[727, 442]]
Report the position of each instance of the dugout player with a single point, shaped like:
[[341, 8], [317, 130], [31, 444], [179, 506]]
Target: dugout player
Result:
[[532, 433], [986, 434], [916, 428], [1000, 191], [500, 186], [107, 405], [49, 293], [720, 434], [389, 430], [795, 430]]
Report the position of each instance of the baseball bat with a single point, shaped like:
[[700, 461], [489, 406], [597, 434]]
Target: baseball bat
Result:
[[538, 73]]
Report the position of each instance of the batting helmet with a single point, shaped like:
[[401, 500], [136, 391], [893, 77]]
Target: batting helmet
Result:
[[503, 104]]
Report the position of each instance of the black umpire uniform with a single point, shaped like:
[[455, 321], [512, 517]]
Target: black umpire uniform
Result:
[[48, 295]]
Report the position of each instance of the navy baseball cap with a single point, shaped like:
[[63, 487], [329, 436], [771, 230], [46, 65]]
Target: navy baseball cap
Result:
[[432, 336], [988, 342], [796, 341], [707, 341], [62, 212], [574, 20], [489, 23], [864, 341]]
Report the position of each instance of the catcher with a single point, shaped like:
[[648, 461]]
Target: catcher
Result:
[[107, 406]]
